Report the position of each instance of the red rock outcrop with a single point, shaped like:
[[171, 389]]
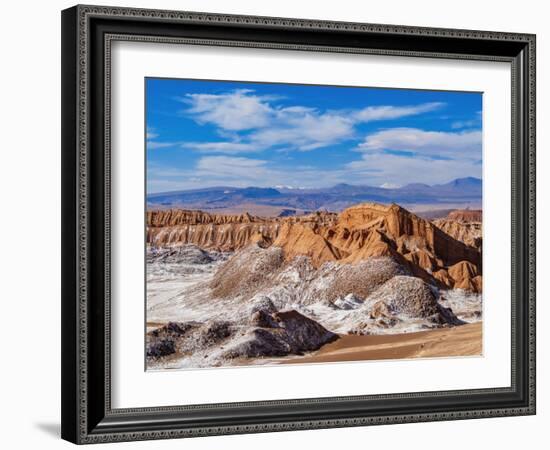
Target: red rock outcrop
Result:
[[468, 233], [466, 215], [297, 239], [357, 233], [222, 232]]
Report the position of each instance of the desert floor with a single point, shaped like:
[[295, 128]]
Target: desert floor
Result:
[[464, 340]]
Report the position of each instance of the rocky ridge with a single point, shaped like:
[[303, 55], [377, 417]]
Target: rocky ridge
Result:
[[265, 333], [358, 233], [466, 215], [463, 225]]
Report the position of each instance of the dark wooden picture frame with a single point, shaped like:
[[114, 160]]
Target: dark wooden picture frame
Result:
[[87, 34]]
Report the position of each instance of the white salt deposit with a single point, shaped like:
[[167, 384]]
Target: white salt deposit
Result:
[[180, 292]]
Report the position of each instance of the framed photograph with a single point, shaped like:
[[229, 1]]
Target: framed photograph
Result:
[[280, 224]]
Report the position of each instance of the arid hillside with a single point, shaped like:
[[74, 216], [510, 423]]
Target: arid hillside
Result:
[[464, 225], [445, 255], [466, 215]]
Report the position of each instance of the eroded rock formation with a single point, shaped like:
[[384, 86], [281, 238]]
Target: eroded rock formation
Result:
[[267, 334], [466, 215], [403, 298], [464, 225], [360, 232]]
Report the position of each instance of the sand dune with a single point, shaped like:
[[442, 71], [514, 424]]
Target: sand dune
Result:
[[465, 340]]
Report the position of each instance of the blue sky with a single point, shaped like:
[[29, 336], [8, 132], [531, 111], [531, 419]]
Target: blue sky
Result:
[[213, 133]]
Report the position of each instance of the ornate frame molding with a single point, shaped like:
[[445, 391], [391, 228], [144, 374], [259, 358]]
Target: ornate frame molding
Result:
[[80, 424]]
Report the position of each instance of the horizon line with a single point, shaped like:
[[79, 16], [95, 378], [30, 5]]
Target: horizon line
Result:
[[300, 188]]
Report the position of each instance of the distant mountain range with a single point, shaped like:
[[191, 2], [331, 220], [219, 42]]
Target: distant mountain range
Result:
[[465, 191]]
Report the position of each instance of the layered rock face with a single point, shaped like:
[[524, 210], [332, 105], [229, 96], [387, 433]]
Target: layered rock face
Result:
[[395, 228], [466, 215], [222, 232], [356, 234], [468, 233], [463, 225]]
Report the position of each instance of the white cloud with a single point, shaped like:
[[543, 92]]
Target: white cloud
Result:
[[208, 172], [264, 125], [220, 170], [151, 133], [472, 123], [374, 169], [372, 113], [464, 124], [432, 143], [428, 156], [153, 145], [379, 168], [233, 169], [221, 147], [250, 123], [236, 110], [229, 162], [304, 130]]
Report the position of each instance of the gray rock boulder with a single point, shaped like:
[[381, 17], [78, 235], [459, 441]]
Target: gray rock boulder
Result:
[[280, 334]]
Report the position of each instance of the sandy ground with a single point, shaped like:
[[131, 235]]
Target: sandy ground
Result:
[[465, 340]]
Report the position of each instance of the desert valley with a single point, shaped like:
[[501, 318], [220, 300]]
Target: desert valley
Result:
[[368, 281]]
